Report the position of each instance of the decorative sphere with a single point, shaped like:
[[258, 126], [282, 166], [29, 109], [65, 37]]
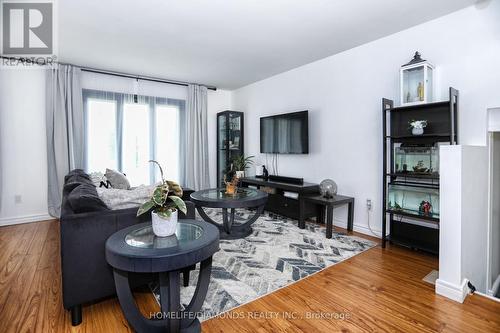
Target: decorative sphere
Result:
[[328, 188]]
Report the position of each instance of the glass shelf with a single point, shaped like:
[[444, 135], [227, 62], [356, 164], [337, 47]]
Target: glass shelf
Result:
[[413, 201], [229, 141], [416, 161]]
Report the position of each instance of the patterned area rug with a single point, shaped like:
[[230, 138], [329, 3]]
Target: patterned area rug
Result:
[[275, 255]]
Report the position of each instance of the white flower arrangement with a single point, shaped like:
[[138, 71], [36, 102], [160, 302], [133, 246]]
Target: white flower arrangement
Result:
[[418, 124]]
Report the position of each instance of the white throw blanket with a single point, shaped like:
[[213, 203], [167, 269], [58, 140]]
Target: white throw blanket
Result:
[[121, 199]]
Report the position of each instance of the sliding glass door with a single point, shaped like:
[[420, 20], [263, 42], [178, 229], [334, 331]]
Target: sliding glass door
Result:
[[101, 135], [167, 121], [124, 132], [136, 139]]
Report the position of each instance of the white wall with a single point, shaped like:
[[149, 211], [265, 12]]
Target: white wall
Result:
[[450, 237], [474, 208], [463, 233], [23, 162], [126, 85], [343, 93], [23, 156]]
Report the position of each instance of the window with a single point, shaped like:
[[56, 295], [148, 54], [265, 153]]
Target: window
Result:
[[136, 136], [101, 135], [167, 134], [124, 135]]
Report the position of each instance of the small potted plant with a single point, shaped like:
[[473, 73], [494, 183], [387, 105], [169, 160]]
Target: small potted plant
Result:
[[417, 126], [241, 163], [165, 202]]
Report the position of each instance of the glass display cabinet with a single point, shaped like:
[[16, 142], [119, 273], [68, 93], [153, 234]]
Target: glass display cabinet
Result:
[[416, 81], [229, 141], [416, 160], [415, 201]]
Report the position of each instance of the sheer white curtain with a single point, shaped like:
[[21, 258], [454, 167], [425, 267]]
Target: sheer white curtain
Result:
[[128, 126], [191, 147], [163, 125]]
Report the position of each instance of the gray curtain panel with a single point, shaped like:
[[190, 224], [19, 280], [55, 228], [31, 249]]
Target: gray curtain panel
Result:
[[64, 125], [1, 168], [196, 139]]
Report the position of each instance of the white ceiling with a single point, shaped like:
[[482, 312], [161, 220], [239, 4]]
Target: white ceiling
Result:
[[228, 43]]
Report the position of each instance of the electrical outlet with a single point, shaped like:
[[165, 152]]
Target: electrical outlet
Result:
[[18, 199], [369, 204]]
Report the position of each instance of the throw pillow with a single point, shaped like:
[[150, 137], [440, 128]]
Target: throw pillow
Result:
[[84, 199], [97, 178], [117, 179]]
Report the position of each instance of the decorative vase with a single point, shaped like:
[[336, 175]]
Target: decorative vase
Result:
[[240, 174], [163, 227], [230, 189], [417, 131], [328, 188]]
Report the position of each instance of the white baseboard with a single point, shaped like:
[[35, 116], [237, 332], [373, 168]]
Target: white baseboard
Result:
[[452, 291], [496, 286], [366, 231], [487, 296], [24, 219], [358, 228]]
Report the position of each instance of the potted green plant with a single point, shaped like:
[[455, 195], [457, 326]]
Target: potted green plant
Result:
[[165, 202], [417, 126], [241, 163]]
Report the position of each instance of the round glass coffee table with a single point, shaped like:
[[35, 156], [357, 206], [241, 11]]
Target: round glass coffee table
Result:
[[243, 198], [136, 249]]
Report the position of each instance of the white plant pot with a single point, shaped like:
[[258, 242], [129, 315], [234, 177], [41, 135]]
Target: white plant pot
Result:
[[163, 227], [417, 131], [240, 174]]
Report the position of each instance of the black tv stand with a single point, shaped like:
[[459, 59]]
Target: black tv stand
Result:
[[283, 179], [282, 203]]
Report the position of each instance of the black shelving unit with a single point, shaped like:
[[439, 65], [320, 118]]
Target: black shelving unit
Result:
[[230, 136], [408, 227]]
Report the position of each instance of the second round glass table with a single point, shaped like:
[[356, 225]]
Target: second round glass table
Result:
[[243, 198]]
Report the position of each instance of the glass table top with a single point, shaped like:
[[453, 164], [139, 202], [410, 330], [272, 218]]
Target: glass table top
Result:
[[145, 238], [220, 194]]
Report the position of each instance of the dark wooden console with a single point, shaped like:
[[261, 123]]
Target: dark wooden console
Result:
[[282, 205]]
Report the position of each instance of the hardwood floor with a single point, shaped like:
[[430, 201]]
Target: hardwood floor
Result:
[[378, 290]]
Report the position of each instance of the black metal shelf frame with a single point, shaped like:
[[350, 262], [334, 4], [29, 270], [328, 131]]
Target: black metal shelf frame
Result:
[[411, 175], [412, 215], [445, 131]]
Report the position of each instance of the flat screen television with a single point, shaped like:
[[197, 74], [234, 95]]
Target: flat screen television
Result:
[[285, 133]]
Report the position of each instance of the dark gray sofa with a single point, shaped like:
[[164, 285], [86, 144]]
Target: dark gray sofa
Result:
[[85, 225]]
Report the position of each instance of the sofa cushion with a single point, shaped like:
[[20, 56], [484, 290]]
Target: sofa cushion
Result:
[[82, 179], [68, 187], [76, 172], [83, 199]]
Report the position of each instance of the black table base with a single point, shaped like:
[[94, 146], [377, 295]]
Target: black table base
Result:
[[171, 318], [228, 230]]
